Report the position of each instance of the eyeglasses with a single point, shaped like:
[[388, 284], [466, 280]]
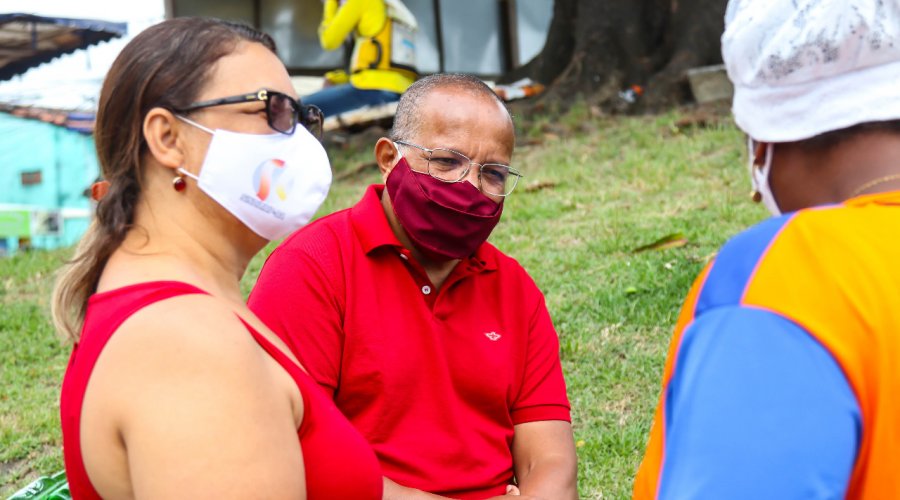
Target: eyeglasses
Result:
[[452, 166], [283, 112]]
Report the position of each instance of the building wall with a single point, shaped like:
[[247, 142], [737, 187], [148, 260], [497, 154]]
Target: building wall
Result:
[[67, 165]]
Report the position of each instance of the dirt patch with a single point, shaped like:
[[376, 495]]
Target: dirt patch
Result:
[[12, 474], [18, 473]]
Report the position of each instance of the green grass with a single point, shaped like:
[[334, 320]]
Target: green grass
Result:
[[32, 361], [613, 184]]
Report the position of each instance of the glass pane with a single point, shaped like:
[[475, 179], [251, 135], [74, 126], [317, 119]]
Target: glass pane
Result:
[[294, 25], [471, 32], [232, 10], [532, 21], [427, 60]]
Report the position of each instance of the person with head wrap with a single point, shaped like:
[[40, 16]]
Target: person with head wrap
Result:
[[782, 376]]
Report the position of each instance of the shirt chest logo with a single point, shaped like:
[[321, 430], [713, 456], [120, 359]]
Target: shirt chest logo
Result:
[[493, 336]]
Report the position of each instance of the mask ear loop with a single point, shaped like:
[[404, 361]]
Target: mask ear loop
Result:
[[178, 183], [192, 122], [755, 154]]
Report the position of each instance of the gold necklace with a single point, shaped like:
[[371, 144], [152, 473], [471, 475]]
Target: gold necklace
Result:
[[873, 183]]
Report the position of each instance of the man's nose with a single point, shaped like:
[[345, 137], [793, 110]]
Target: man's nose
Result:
[[472, 174]]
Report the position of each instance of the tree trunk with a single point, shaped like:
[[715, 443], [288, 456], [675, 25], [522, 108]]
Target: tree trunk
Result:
[[597, 48]]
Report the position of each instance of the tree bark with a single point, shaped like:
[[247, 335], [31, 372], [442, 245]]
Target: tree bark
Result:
[[597, 48]]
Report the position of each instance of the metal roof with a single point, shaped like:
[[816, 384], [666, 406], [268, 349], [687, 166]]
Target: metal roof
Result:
[[27, 40]]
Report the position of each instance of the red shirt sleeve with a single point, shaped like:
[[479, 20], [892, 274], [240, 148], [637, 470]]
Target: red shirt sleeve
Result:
[[299, 297], [542, 395]]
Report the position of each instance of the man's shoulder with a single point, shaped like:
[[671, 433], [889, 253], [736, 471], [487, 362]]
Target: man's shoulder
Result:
[[329, 230], [508, 268]]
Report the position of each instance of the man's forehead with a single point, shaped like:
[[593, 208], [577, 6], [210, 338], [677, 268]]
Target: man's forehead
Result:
[[442, 98], [451, 111]]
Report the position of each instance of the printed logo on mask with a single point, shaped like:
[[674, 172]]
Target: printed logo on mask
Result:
[[271, 175]]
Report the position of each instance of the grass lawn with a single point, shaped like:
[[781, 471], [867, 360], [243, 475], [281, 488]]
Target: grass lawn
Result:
[[595, 190]]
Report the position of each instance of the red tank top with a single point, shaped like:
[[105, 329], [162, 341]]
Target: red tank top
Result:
[[338, 461]]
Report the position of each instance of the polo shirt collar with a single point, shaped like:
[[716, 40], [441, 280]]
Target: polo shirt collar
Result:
[[370, 223], [373, 230]]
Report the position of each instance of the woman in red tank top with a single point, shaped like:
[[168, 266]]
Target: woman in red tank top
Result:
[[174, 388]]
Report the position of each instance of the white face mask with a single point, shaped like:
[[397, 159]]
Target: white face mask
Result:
[[273, 183], [759, 177]]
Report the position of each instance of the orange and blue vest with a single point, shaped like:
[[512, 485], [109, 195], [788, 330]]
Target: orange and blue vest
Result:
[[783, 374]]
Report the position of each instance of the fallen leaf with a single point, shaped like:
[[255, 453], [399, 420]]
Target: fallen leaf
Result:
[[673, 240], [538, 185], [550, 136]]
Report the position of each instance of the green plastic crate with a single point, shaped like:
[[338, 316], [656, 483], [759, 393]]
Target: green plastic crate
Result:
[[54, 487]]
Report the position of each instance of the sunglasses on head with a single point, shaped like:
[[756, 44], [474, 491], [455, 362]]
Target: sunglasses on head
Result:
[[283, 112]]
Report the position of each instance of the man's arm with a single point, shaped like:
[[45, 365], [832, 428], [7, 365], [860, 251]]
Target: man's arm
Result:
[[393, 491], [545, 461], [543, 449]]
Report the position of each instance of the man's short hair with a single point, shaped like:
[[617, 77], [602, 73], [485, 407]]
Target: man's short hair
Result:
[[408, 118]]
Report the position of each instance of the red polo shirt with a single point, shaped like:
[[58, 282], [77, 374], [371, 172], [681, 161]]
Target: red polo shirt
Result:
[[436, 380]]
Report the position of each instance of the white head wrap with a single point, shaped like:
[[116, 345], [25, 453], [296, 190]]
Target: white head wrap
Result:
[[804, 67]]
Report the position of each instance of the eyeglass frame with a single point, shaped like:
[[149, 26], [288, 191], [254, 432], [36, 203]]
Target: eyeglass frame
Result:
[[511, 170], [302, 111]]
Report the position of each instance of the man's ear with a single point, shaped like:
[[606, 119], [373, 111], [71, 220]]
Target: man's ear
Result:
[[161, 133], [386, 156]]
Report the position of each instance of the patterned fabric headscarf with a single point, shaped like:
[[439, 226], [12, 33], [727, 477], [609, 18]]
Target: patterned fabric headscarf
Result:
[[804, 67]]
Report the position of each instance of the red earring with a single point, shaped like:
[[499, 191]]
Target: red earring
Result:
[[178, 183]]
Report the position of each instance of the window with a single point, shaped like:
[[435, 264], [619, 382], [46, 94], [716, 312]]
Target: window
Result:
[[294, 25], [32, 178]]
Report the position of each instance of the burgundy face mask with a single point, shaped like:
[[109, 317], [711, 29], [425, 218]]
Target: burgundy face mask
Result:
[[444, 220]]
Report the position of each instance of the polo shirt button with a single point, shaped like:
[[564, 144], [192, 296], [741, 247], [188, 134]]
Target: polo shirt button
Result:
[[426, 289], [403, 256]]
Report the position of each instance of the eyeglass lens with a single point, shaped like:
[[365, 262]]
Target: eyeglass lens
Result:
[[451, 166]]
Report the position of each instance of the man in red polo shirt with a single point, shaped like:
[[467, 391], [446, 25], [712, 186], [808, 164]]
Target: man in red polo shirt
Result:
[[437, 346]]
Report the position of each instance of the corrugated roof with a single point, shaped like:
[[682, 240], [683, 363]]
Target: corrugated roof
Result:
[[27, 40]]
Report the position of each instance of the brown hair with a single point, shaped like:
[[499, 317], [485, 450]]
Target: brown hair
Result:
[[165, 66]]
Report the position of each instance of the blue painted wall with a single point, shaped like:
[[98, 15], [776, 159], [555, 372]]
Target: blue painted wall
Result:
[[68, 165]]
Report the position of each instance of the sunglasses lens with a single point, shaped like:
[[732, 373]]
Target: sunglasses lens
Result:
[[282, 114], [312, 120]]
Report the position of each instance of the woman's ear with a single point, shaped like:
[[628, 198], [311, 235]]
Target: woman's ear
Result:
[[161, 133], [386, 156]]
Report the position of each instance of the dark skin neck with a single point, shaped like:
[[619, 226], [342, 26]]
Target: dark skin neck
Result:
[[803, 177], [437, 271]]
